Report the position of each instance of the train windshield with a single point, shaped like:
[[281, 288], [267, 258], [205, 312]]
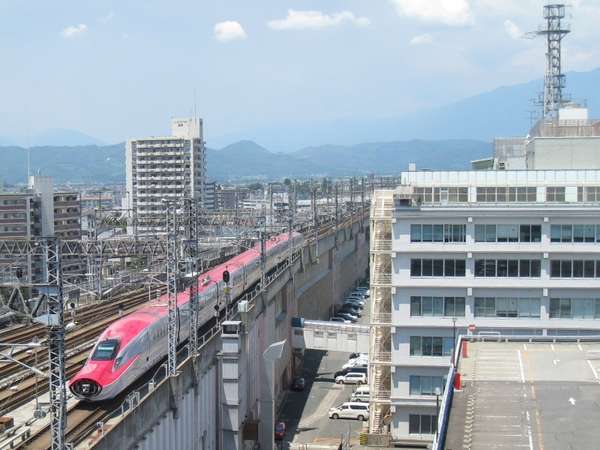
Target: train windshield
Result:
[[106, 350]]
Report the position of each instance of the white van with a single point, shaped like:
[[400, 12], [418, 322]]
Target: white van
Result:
[[361, 394], [350, 410]]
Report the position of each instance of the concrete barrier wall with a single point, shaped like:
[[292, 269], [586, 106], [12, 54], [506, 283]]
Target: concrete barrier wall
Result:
[[309, 289], [154, 425]]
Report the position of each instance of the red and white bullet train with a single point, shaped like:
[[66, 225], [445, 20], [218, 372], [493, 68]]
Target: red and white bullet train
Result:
[[130, 346]]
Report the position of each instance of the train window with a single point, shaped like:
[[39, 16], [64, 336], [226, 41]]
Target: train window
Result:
[[106, 350]]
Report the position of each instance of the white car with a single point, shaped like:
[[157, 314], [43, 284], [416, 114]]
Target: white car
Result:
[[351, 378], [361, 394], [350, 410], [356, 362]]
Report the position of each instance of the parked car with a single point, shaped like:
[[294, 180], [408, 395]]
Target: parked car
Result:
[[358, 355], [352, 378], [361, 394], [351, 307], [356, 364], [279, 431], [339, 319], [352, 318], [364, 370], [350, 410], [299, 384], [353, 304], [356, 295], [362, 359], [351, 310]]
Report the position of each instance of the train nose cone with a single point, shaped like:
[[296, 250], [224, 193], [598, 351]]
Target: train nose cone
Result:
[[86, 388]]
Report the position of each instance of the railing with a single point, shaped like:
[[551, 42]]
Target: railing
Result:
[[381, 395], [378, 357], [444, 412], [381, 318], [381, 278], [381, 245]]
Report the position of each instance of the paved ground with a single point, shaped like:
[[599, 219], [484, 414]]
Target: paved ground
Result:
[[306, 413], [527, 396]]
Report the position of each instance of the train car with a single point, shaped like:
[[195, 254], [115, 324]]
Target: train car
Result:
[[130, 346]]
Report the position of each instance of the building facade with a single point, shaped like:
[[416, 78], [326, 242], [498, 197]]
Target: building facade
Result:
[[500, 252], [160, 169]]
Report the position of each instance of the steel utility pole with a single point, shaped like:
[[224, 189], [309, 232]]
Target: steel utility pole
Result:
[[53, 291], [171, 221], [190, 254]]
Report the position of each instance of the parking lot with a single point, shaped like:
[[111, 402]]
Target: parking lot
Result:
[[306, 413]]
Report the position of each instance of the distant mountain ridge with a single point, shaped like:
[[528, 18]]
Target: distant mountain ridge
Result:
[[504, 111], [247, 159]]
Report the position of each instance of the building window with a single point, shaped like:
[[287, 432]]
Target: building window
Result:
[[522, 268], [587, 233], [425, 385], [588, 193], [437, 306], [566, 268], [574, 308], [437, 233], [508, 233], [430, 346], [555, 194], [507, 307], [441, 194], [506, 194], [422, 424], [437, 267]]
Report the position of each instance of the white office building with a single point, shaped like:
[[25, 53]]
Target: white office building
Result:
[[509, 252], [164, 168]]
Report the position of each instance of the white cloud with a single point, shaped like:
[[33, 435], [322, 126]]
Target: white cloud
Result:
[[107, 18], [512, 29], [447, 12], [229, 30], [302, 20], [422, 39], [74, 31]]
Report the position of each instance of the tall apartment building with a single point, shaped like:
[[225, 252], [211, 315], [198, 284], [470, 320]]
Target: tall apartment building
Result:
[[20, 218], [508, 252], [166, 168], [40, 212]]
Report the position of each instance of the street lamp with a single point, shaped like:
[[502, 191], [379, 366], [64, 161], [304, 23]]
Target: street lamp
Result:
[[273, 353], [438, 392]]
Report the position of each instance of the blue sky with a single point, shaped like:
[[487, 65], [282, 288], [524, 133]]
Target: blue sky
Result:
[[119, 69]]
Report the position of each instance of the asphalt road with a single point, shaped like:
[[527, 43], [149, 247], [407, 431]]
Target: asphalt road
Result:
[[306, 413]]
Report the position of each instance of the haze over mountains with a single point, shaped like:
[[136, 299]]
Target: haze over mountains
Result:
[[447, 137]]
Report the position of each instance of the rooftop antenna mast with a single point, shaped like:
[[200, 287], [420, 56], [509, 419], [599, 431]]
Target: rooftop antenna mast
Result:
[[554, 80]]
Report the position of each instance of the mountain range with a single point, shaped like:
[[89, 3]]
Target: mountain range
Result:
[[504, 111], [246, 159], [445, 137]]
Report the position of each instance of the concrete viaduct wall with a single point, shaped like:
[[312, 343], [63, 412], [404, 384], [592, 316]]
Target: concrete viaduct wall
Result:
[[183, 413]]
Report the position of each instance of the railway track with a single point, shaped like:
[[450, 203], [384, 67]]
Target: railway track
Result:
[[26, 333], [19, 385], [83, 417]]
